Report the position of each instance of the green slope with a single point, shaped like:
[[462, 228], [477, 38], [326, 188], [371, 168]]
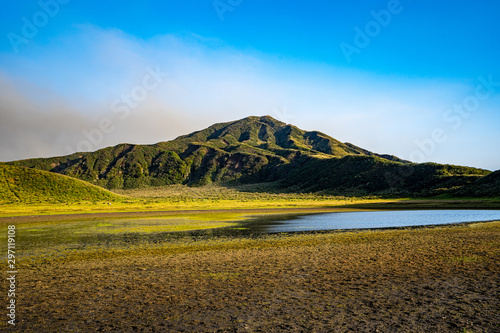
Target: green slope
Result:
[[223, 152], [366, 175], [257, 149], [487, 186], [23, 185]]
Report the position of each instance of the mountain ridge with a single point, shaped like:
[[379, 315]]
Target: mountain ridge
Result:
[[487, 186], [257, 149]]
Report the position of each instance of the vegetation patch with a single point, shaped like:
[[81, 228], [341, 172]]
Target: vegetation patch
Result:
[[20, 185], [389, 280], [471, 259]]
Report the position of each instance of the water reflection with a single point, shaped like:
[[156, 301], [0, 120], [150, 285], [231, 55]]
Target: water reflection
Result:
[[80, 235], [382, 219]]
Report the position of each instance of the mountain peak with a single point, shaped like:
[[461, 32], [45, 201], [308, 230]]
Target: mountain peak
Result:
[[266, 132], [252, 149], [263, 119]]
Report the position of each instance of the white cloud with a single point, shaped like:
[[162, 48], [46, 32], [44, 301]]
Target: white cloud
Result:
[[207, 82]]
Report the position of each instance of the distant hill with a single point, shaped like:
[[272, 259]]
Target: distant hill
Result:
[[23, 185], [366, 175], [253, 150], [487, 186]]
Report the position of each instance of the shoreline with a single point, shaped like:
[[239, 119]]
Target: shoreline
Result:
[[366, 206]]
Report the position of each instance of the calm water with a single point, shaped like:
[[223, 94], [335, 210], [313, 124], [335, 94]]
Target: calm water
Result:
[[378, 219], [130, 232]]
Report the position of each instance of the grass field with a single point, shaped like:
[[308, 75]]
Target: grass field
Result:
[[98, 266], [179, 197], [442, 279]]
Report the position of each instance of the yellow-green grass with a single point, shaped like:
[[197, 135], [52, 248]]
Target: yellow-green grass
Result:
[[139, 206], [179, 197], [19, 185], [54, 238], [150, 226], [211, 197], [155, 225], [172, 222], [170, 204], [284, 240]]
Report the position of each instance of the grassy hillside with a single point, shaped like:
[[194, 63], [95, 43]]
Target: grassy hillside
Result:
[[488, 186], [366, 175], [257, 150], [220, 153], [23, 185]]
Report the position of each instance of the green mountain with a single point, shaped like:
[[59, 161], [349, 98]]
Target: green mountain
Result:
[[253, 150], [24, 185], [487, 186]]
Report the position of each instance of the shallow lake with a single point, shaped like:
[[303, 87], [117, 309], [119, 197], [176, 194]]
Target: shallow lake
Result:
[[106, 233], [369, 220]]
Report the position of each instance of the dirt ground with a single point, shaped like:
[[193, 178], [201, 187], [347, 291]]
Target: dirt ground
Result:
[[443, 279]]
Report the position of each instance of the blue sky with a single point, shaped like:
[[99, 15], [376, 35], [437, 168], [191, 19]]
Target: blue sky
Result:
[[417, 79]]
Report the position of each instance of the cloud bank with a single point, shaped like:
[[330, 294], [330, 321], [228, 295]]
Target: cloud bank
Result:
[[94, 88]]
